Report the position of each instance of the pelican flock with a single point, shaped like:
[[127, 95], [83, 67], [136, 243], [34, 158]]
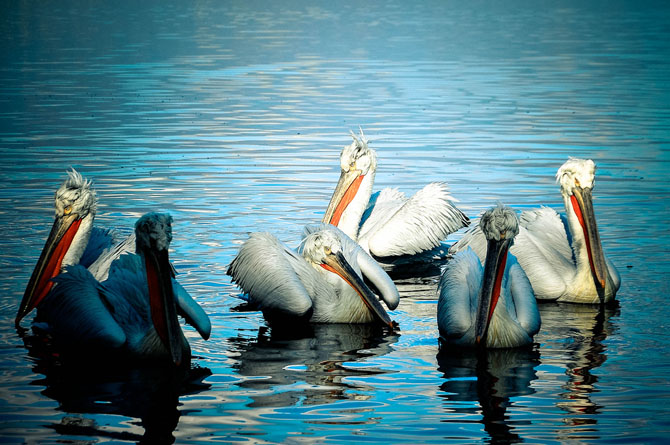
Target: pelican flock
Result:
[[563, 261], [133, 313], [491, 306], [73, 240], [96, 294], [388, 224], [321, 282]]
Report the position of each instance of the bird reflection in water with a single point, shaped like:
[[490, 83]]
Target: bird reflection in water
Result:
[[148, 393], [308, 365], [489, 378], [578, 333]]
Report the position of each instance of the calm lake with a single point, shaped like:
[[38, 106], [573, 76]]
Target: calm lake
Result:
[[232, 115]]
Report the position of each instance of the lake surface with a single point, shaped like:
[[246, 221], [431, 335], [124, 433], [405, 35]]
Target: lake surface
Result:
[[231, 116]]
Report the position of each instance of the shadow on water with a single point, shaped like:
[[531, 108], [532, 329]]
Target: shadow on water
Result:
[[578, 332], [489, 379], [147, 392], [307, 364]]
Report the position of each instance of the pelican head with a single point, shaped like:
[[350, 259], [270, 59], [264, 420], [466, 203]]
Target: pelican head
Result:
[[323, 249], [357, 156], [153, 233], [577, 179], [576, 173], [499, 225], [357, 160], [75, 206]]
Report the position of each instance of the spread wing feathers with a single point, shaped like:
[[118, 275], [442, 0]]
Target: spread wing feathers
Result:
[[385, 195], [457, 294], [77, 312], [100, 268], [275, 277], [543, 251], [409, 226], [474, 239], [99, 241]]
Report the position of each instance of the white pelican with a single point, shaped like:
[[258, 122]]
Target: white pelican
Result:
[[562, 266], [72, 240], [132, 313], [493, 306], [389, 224], [321, 283]]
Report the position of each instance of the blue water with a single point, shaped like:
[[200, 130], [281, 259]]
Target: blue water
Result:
[[231, 116]]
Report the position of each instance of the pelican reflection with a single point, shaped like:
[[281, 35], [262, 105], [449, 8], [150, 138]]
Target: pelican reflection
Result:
[[488, 379], [148, 393], [578, 332], [315, 356]]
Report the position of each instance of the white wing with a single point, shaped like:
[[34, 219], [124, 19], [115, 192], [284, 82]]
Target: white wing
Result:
[[543, 251], [272, 275], [100, 268], [474, 239], [457, 297], [396, 227]]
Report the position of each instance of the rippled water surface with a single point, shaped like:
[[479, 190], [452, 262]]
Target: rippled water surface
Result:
[[232, 115]]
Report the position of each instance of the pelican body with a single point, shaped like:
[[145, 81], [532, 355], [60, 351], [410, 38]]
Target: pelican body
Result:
[[133, 313], [491, 306], [562, 257], [73, 240], [321, 282], [389, 224]]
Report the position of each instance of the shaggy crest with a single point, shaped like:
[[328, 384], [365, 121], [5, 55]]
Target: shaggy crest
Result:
[[78, 193], [154, 229], [317, 245], [499, 222], [358, 155], [576, 172]]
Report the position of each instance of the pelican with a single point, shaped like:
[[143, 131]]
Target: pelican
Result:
[[134, 311], [388, 224], [493, 306], [73, 240], [321, 283], [563, 261]]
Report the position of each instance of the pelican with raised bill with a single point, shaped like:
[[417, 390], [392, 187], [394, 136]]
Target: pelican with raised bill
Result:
[[491, 306], [133, 313], [323, 282], [388, 224], [73, 240], [564, 260]]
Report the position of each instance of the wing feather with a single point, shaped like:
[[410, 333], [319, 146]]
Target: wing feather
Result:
[[543, 251], [100, 268], [78, 314], [474, 239], [525, 305], [457, 296], [191, 310], [98, 242], [269, 272], [411, 226]]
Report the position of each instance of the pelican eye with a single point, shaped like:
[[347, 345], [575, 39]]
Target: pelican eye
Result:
[[327, 250], [67, 210], [577, 182]]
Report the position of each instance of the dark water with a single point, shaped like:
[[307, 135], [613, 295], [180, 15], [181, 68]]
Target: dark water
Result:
[[231, 116]]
